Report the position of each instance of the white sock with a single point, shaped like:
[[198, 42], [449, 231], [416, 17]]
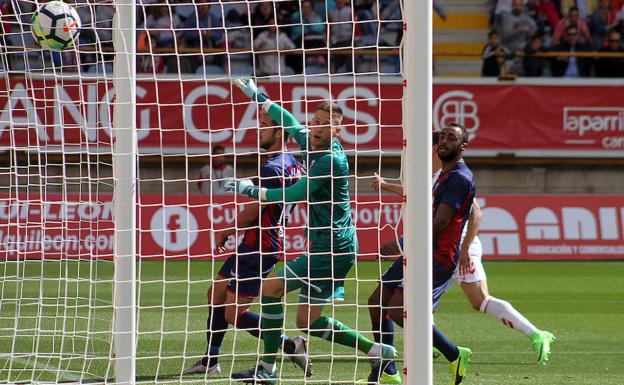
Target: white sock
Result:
[[507, 315], [375, 351]]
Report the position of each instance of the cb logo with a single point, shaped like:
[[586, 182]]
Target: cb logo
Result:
[[174, 228], [457, 106]]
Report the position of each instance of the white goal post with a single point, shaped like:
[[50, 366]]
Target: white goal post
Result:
[[417, 110], [125, 160]]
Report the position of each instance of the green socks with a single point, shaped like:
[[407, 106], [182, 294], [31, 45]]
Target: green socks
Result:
[[324, 327], [334, 331], [272, 324]]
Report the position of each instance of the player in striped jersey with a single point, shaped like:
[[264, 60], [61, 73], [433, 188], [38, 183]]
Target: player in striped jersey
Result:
[[263, 243], [470, 274], [453, 194]]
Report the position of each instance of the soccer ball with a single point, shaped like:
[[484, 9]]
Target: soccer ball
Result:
[[56, 25]]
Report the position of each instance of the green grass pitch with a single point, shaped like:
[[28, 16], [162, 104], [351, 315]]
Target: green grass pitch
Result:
[[581, 303]]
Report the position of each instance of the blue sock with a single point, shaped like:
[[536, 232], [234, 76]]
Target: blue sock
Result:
[[387, 337], [250, 322], [216, 326], [446, 347]]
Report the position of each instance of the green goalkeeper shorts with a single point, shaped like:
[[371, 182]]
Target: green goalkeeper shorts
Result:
[[318, 274]]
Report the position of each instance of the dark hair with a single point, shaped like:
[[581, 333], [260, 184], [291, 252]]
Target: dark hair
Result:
[[217, 147], [435, 138], [463, 131], [573, 8], [492, 33], [570, 27]]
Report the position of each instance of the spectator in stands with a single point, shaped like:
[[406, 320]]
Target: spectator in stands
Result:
[[202, 29], [585, 7], [517, 30], [571, 66], [533, 65], [209, 24], [618, 6], [272, 62], [502, 8], [150, 62], [308, 30], [611, 67], [494, 56], [261, 17], [238, 37], [341, 35], [602, 20], [391, 21], [545, 13], [212, 176], [285, 10], [160, 24], [366, 23], [97, 23], [232, 12], [572, 19]]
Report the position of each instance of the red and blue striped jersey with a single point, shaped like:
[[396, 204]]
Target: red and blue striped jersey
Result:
[[455, 188], [279, 171]]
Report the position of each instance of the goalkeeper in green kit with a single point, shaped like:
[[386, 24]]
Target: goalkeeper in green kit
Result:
[[333, 242]]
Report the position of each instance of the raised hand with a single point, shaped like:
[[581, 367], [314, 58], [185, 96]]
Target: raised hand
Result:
[[250, 89], [246, 85]]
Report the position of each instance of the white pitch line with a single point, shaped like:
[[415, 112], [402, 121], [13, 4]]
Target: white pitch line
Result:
[[35, 365]]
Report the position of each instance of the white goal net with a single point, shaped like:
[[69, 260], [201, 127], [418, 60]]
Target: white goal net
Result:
[[194, 130]]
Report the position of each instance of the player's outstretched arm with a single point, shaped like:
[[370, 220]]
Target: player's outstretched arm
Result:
[[281, 115], [296, 193], [380, 184]]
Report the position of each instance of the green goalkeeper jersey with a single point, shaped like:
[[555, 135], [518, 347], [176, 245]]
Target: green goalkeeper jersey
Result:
[[327, 182]]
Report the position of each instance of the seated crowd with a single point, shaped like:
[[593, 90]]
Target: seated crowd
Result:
[[264, 38], [584, 37]]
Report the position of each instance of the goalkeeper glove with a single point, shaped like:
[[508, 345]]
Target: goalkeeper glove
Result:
[[242, 187], [250, 89]]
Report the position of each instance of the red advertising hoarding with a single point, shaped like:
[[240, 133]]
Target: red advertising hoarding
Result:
[[514, 227], [189, 116], [535, 119], [184, 116]]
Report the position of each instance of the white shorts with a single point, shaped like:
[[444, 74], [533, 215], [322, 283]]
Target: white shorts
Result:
[[476, 272]]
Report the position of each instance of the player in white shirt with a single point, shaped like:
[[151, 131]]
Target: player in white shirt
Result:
[[213, 175], [471, 276]]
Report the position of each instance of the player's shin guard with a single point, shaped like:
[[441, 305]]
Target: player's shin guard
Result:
[[272, 324], [507, 315], [216, 326], [335, 331], [446, 347]]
